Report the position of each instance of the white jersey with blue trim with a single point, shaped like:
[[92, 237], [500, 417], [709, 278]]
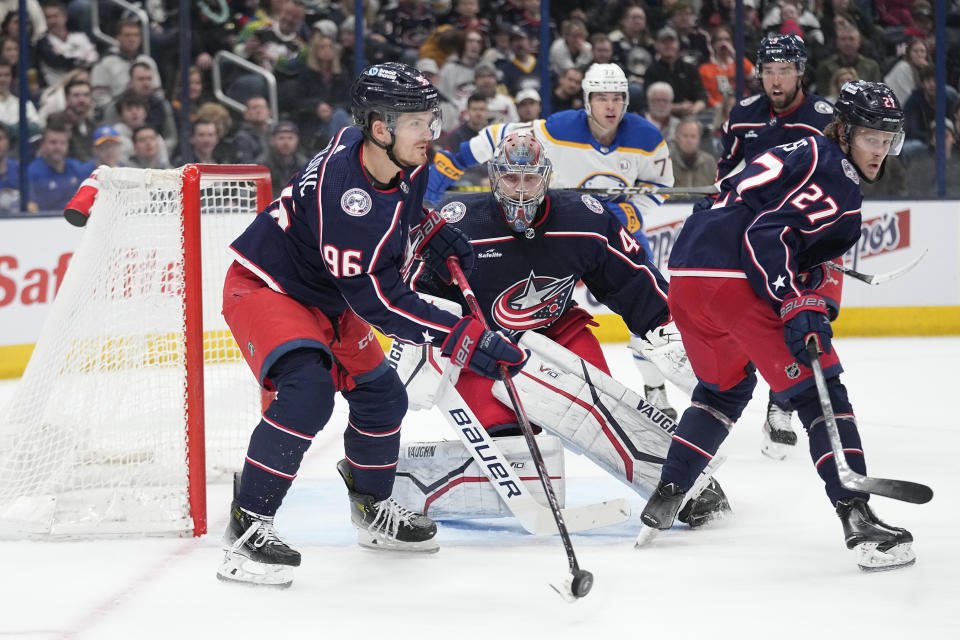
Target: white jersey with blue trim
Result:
[[638, 154]]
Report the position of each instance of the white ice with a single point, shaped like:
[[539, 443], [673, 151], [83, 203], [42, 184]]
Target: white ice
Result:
[[777, 567]]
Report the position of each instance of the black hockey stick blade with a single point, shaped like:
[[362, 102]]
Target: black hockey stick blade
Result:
[[902, 490], [877, 278]]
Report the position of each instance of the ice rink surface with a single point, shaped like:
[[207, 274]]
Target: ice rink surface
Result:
[[777, 567]]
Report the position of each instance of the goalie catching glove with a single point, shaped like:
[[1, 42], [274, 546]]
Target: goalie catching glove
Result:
[[662, 346], [482, 350]]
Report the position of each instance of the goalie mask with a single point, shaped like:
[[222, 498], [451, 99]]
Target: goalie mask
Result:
[[519, 176]]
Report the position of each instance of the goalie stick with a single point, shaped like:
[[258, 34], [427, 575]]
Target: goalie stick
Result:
[[897, 489], [580, 581], [877, 278]]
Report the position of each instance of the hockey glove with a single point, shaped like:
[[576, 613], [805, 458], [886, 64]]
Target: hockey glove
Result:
[[443, 173], [483, 351], [434, 241], [825, 284], [803, 316], [706, 202]]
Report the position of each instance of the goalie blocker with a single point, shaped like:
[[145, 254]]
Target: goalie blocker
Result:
[[590, 412]]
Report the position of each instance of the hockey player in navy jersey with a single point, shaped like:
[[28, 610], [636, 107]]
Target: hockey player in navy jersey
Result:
[[533, 246], [783, 113], [313, 272], [743, 292], [601, 145]]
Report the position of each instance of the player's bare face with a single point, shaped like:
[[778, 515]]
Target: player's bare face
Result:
[[781, 83], [412, 137], [868, 148], [607, 108]]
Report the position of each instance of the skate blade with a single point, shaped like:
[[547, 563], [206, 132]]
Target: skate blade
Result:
[[645, 537], [370, 540], [773, 450], [869, 558], [242, 570], [565, 589]]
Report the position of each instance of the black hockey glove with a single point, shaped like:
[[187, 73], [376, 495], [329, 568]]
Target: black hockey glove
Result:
[[434, 241], [482, 350], [803, 316]]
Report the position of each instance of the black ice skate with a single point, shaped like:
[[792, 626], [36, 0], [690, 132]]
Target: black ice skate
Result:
[[660, 512], [657, 396], [878, 545], [385, 524], [778, 433], [711, 503], [253, 553]]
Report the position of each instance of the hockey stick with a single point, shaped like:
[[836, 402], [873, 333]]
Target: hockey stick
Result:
[[532, 516], [897, 489], [705, 190], [580, 581], [876, 278]]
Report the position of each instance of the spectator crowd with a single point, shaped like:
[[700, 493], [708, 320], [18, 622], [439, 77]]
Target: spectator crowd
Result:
[[93, 103]]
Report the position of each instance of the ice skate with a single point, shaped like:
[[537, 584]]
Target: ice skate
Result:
[[657, 396], [660, 512], [385, 524], [878, 546], [778, 434], [254, 554], [710, 504]]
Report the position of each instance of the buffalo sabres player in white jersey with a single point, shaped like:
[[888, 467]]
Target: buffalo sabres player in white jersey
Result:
[[598, 146]]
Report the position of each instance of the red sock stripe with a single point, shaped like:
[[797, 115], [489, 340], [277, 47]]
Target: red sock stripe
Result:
[[371, 434], [280, 474], [372, 466], [286, 429], [693, 446]]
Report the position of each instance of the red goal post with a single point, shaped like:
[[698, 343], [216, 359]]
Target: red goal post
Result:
[[136, 391]]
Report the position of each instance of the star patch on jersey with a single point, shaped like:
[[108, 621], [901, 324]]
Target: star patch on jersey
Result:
[[356, 203], [453, 211], [532, 303], [850, 171], [823, 107], [592, 203]]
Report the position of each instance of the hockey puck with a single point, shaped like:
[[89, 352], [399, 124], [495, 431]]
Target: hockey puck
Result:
[[582, 583]]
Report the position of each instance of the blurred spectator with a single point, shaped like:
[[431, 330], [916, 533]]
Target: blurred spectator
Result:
[[475, 119], [848, 10], [55, 177], [217, 114], [690, 98], [9, 177], [316, 93], [148, 150], [848, 55], [253, 134], [500, 107], [107, 148], [568, 94], [719, 75], [839, 78], [694, 43], [78, 116], [528, 105], [59, 50], [692, 167], [920, 110], [633, 37], [375, 47], [791, 16], [922, 170], [35, 18], [265, 42], [572, 48], [10, 105], [282, 157], [407, 25], [159, 110], [602, 48], [199, 93], [457, 74], [212, 30], [466, 15], [659, 106], [111, 75], [921, 14], [133, 116], [904, 77], [449, 113], [203, 140], [520, 69], [526, 15], [893, 13]]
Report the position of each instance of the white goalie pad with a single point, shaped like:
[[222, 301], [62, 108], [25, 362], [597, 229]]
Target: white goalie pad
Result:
[[595, 415], [421, 367], [662, 347], [442, 480]]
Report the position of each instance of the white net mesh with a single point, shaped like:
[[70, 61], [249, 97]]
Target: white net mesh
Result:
[[94, 440]]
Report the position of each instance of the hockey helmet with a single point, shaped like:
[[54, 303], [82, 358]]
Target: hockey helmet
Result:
[[872, 105], [785, 48], [604, 78], [519, 176], [389, 89]]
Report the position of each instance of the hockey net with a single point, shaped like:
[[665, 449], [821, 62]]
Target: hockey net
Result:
[[136, 391]]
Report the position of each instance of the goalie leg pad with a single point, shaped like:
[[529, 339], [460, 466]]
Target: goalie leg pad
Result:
[[594, 414], [441, 479]]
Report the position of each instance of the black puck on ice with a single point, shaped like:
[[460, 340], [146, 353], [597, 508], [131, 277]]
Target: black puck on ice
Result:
[[582, 583]]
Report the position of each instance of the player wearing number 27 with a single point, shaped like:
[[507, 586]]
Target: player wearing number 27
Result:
[[743, 280], [313, 272]]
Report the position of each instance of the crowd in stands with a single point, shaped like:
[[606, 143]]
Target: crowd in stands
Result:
[[93, 103]]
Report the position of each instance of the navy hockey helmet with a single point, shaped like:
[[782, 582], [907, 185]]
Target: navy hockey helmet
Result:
[[389, 89], [872, 105], [785, 48]]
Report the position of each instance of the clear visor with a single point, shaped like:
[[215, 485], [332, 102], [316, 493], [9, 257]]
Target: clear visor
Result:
[[876, 141], [422, 125]]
